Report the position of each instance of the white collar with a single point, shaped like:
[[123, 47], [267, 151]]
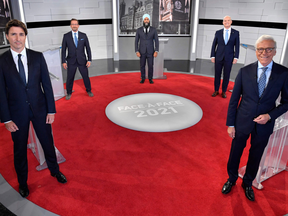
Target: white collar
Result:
[[15, 54]]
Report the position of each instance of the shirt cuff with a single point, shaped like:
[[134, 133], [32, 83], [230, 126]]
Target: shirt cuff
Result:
[[7, 122]]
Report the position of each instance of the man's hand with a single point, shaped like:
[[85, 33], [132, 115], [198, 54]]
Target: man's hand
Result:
[[88, 64], [64, 65], [138, 54], [231, 132], [262, 119], [213, 60], [234, 61], [11, 126], [155, 54], [50, 118]]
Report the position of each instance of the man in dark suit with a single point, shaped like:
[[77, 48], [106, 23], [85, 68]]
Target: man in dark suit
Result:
[[145, 50], [224, 53], [26, 96], [259, 84], [75, 41]]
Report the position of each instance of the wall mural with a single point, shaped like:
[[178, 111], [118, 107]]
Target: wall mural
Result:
[[170, 17]]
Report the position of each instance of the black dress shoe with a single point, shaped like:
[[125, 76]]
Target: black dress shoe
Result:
[[60, 177], [215, 94], [23, 190], [151, 81], [227, 187], [224, 95], [249, 193], [142, 81]]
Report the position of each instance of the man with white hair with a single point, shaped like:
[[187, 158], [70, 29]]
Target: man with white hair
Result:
[[257, 87], [148, 47], [224, 53]]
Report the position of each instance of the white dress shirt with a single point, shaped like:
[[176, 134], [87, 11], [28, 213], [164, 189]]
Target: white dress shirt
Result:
[[268, 71], [24, 61], [73, 35], [229, 33]]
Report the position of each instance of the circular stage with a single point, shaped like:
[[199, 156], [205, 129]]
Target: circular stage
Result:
[[154, 112], [116, 171]]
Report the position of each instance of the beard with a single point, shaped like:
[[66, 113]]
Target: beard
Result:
[[146, 25]]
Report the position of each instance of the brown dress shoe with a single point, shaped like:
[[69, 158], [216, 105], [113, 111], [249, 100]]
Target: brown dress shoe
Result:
[[215, 93], [224, 95]]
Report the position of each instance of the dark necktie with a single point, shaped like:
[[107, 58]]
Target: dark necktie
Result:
[[262, 81], [21, 69], [75, 39]]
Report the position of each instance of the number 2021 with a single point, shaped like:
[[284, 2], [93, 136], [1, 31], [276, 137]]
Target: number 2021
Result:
[[154, 112]]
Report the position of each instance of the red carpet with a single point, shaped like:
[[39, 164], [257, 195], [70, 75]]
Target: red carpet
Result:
[[116, 171]]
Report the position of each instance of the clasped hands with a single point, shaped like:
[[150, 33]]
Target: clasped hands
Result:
[[261, 119]]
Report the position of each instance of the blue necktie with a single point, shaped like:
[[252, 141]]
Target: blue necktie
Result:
[[21, 69], [226, 36], [75, 39], [262, 81]]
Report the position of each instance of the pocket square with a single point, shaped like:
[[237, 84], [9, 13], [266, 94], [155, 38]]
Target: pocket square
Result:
[[82, 38]]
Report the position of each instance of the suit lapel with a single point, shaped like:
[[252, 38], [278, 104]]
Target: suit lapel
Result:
[[12, 67], [253, 77], [29, 66], [272, 80], [221, 35], [72, 39]]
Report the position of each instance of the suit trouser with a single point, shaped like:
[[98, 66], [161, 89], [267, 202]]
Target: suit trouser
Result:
[[226, 66], [258, 144], [71, 70], [150, 61], [20, 139]]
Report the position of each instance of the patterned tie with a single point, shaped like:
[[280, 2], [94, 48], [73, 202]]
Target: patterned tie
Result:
[[75, 39], [226, 36], [262, 81], [21, 69]]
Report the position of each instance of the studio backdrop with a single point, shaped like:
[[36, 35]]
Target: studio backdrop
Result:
[[5, 16], [169, 17]]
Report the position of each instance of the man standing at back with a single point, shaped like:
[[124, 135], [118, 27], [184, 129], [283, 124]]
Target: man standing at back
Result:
[[75, 41], [145, 50], [224, 53], [26, 96]]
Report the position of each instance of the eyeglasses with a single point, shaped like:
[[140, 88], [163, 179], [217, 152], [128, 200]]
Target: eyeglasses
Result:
[[267, 50]]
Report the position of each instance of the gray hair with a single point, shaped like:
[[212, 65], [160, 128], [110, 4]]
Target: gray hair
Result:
[[265, 37]]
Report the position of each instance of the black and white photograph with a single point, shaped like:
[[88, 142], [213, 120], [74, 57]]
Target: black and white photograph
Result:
[[169, 17], [5, 16]]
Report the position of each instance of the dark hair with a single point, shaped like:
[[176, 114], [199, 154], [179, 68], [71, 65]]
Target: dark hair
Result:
[[15, 23], [73, 19]]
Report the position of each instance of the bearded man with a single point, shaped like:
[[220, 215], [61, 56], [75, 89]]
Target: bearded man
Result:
[[146, 47]]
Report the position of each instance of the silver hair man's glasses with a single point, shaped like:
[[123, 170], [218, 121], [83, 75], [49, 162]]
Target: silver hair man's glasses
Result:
[[267, 50]]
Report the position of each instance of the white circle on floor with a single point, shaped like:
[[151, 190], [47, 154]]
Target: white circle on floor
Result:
[[154, 112]]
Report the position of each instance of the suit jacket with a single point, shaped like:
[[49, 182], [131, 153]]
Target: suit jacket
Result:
[[241, 116], [146, 44], [229, 51], [16, 98], [75, 54]]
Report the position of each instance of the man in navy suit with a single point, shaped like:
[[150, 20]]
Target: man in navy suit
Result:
[[145, 50], [26, 96], [257, 87], [224, 53], [75, 41]]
